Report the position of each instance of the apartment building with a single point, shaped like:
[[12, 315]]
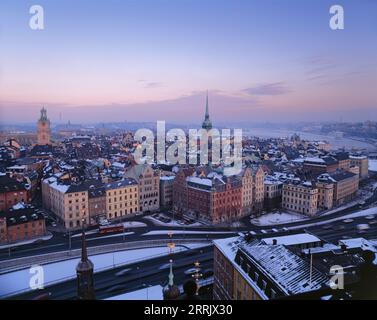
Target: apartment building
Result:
[[149, 186], [258, 190], [301, 197], [166, 192], [97, 203], [68, 201], [325, 185], [345, 187], [12, 192], [122, 198], [362, 162], [247, 191], [20, 225]]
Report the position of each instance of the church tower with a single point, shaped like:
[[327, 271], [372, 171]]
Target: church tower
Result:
[[84, 272], [207, 124], [44, 131]]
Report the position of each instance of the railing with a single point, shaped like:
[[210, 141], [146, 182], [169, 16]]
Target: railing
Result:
[[21, 263]]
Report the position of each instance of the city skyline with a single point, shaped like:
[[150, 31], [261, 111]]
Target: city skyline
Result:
[[148, 61]]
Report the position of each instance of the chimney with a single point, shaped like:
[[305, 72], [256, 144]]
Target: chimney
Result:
[[274, 242]]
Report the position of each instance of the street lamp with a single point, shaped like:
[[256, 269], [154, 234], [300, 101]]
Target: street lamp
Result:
[[197, 275]]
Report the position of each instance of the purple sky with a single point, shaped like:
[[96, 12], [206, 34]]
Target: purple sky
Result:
[[145, 60]]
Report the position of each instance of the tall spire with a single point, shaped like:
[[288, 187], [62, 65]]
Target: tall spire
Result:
[[207, 124], [84, 272], [207, 112]]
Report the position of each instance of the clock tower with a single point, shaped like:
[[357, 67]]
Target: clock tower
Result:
[[44, 131]]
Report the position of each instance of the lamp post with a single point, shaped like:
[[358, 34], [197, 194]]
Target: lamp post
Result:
[[197, 275], [69, 240]]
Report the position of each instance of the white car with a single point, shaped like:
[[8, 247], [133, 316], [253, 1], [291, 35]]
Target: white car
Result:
[[192, 271], [104, 222], [370, 217], [348, 220], [123, 272], [362, 226]]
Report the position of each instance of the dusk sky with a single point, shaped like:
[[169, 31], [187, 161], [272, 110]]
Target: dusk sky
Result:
[[147, 60]]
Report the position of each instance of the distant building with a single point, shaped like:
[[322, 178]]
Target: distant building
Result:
[[20, 225], [344, 161], [44, 130]]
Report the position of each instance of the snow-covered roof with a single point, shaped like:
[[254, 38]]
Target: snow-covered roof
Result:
[[167, 177], [293, 239], [289, 272], [314, 159], [202, 181]]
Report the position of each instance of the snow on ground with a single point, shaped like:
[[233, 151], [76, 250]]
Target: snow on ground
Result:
[[173, 223], [86, 233], [372, 165], [149, 293], [133, 224], [18, 281], [362, 213], [277, 218], [112, 236], [21, 243], [166, 232]]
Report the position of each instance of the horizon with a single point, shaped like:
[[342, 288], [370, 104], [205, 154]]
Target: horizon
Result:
[[147, 61]]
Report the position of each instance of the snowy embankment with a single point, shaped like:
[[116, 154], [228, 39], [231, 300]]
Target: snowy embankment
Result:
[[22, 243], [166, 232], [18, 281], [277, 218], [362, 213]]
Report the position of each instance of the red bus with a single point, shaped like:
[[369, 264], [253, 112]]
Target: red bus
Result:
[[111, 229]]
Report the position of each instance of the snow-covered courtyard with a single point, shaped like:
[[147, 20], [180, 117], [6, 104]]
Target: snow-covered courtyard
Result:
[[172, 223], [275, 218]]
